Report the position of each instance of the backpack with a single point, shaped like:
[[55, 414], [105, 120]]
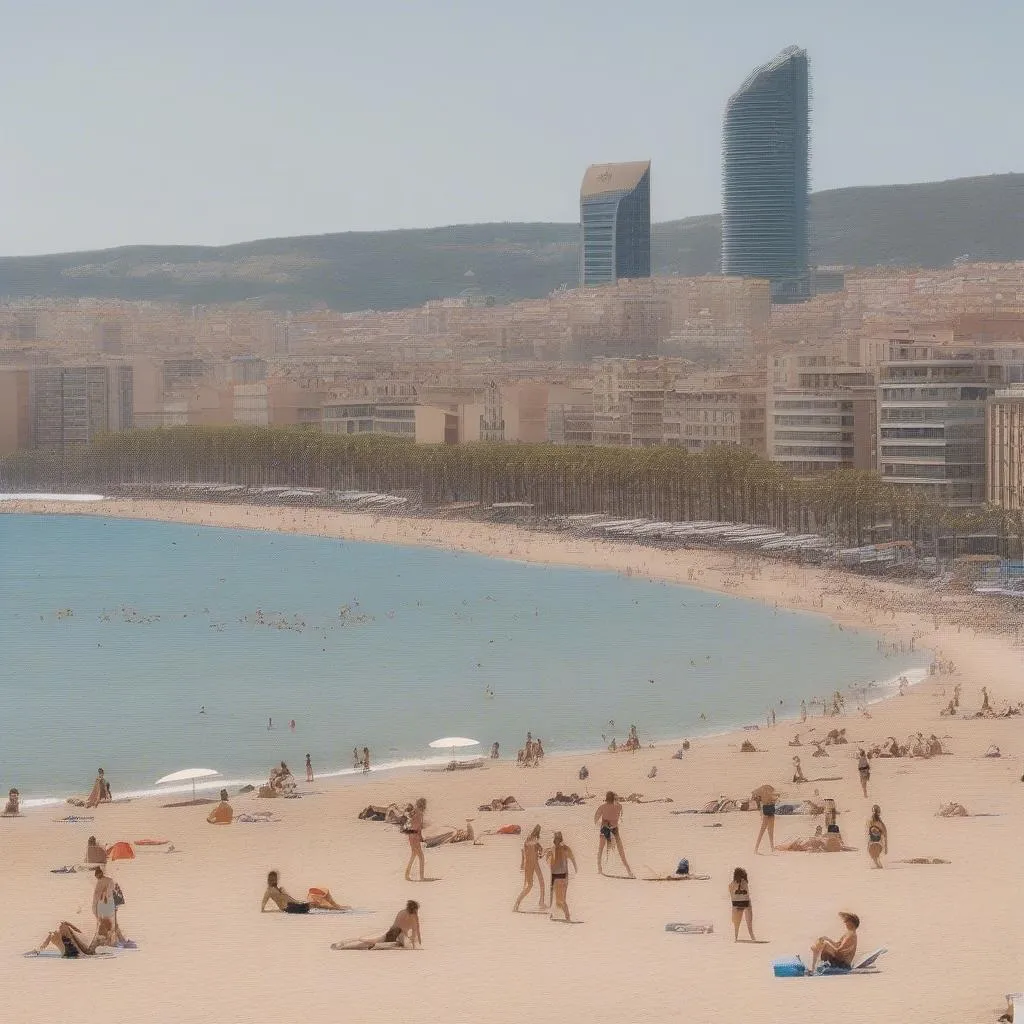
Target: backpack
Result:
[[118, 896]]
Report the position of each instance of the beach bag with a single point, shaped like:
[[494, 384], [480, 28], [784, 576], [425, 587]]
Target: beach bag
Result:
[[118, 896], [683, 867], [791, 967]]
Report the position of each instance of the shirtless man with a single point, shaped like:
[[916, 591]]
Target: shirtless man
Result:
[[403, 934], [609, 815], [839, 953]]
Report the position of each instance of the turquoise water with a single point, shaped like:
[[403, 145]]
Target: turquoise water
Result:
[[165, 619]]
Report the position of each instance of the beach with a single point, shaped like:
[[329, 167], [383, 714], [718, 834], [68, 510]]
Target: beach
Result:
[[952, 930]]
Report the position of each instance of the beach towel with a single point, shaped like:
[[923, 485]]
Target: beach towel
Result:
[[77, 817], [53, 954], [690, 927], [510, 830], [151, 842], [68, 869], [251, 819]]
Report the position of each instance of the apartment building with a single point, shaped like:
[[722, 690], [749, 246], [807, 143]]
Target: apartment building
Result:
[[827, 421], [1004, 448], [700, 417], [73, 405]]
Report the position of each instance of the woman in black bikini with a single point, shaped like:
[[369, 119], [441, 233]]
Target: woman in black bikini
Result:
[[864, 771], [739, 893], [276, 895], [68, 939], [403, 934], [560, 857], [878, 836], [766, 796], [414, 832]]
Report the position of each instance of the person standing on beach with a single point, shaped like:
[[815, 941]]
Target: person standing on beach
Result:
[[739, 894], [100, 790], [609, 815], [309, 769], [357, 761], [530, 866], [878, 836], [414, 831], [366, 759], [103, 906], [559, 858], [803, 711], [864, 771], [766, 796]]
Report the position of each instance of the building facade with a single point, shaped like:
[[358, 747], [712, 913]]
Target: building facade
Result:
[[1004, 448], [71, 406], [615, 223], [765, 186]]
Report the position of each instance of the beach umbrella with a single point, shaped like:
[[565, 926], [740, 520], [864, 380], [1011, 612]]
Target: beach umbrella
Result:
[[454, 741], [188, 775]]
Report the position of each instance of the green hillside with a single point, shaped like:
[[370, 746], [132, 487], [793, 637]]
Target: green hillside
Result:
[[921, 225]]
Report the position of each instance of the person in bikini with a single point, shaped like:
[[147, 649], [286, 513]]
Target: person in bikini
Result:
[[864, 771], [878, 836], [837, 953], [530, 866], [609, 815], [739, 894], [414, 832], [559, 857], [403, 934], [68, 939], [766, 797]]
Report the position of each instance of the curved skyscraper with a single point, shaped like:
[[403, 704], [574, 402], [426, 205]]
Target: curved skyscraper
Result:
[[765, 177], [615, 222]]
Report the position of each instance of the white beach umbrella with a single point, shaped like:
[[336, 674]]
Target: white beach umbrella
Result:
[[188, 775], [454, 741]]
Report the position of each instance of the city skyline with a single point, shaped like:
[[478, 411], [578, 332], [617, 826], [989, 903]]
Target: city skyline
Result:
[[209, 127]]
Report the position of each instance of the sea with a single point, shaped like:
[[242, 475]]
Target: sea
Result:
[[147, 648]]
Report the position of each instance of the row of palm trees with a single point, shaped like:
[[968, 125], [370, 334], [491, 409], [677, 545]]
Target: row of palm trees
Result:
[[663, 483]]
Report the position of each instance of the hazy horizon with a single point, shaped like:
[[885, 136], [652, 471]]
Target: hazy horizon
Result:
[[214, 126]]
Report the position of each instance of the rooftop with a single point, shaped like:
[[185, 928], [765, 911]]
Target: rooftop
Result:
[[602, 178]]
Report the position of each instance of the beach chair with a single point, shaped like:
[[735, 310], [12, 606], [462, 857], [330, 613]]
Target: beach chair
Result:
[[864, 966]]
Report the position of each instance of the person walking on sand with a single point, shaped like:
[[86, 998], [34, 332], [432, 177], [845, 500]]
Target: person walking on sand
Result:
[[739, 893], [530, 866], [559, 858], [864, 771], [765, 797], [414, 831], [878, 836], [309, 769], [609, 815], [104, 905]]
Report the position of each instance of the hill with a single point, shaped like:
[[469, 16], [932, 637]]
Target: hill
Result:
[[925, 225]]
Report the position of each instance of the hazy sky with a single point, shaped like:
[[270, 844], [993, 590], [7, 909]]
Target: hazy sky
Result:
[[214, 121]]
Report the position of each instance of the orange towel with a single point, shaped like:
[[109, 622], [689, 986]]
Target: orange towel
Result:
[[510, 830]]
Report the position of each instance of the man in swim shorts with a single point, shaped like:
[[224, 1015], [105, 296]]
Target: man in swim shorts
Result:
[[608, 816]]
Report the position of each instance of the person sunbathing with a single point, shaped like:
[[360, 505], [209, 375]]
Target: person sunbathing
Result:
[[276, 895], [222, 814], [840, 952], [819, 749], [510, 803], [820, 842], [403, 934], [953, 810], [69, 940]]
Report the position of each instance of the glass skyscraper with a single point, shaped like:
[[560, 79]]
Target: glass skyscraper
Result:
[[615, 222], [765, 176]]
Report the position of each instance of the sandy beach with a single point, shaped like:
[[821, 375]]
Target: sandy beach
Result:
[[953, 931]]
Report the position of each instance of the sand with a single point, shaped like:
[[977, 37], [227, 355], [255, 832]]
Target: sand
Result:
[[205, 952]]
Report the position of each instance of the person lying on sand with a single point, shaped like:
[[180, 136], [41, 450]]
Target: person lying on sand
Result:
[[923, 860], [455, 835], [510, 803], [820, 842], [681, 874], [561, 800], [819, 749], [403, 934], [69, 940], [222, 814], [276, 895], [638, 798], [952, 810]]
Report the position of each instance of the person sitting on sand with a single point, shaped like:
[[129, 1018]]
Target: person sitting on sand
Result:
[[798, 772], [69, 940], [276, 895], [403, 934], [878, 836], [94, 852], [13, 805], [838, 953], [795, 741], [993, 751], [222, 814], [953, 810], [935, 745]]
